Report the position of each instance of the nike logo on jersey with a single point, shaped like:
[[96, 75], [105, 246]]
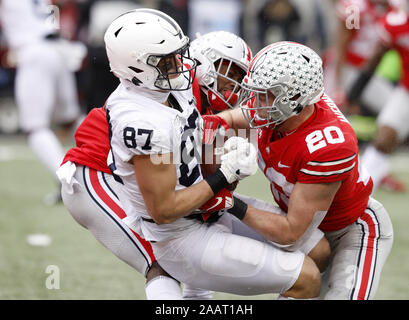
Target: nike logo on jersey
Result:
[[191, 101], [280, 165]]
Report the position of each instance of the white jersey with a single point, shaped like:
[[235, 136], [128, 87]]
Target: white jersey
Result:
[[142, 126], [27, 21]]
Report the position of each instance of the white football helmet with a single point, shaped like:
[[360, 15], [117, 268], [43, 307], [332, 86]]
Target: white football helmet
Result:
[[291, 72], [136, 43], [211, 51]]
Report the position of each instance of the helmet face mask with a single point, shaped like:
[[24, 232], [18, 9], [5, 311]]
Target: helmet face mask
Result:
[[223, 91], [264, 107], [172, 73], [283, 78], [136, 43]]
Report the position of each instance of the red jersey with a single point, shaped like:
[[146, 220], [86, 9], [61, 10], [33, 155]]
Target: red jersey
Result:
[[394, 32], [364, 39], [92, 142], [323, 149]]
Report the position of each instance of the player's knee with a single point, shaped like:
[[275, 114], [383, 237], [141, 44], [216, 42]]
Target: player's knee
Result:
[[320, 254], [308, 283]]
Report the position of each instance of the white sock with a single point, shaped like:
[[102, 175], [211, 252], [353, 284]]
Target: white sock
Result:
[[377, 163], [47, 148], [163, 288], [190, 293]]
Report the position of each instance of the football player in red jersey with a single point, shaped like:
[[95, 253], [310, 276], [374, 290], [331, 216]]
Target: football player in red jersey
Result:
[[95, 185], [309, 153], [393, 120], [223, 60], [356, 39]]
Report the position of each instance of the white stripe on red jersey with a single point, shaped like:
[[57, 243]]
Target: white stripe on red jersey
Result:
[[331, 163], [327, 173]]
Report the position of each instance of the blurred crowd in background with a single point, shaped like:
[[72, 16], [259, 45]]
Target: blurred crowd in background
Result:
[[259, 22]]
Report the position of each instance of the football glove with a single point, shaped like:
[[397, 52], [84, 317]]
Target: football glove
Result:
[[209, 212], [211, 126], [240, 160]]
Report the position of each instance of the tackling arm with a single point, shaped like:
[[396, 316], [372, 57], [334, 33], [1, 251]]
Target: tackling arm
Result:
[[305, 201]]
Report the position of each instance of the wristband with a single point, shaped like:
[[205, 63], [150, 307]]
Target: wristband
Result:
[[217, 181], [239, 208]]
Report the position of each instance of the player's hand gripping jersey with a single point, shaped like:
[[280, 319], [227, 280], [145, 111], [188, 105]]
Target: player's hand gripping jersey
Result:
[[324, 149]]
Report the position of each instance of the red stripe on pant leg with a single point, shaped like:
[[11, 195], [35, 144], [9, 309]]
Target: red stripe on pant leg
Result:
[[146, 245], [366, 272], [116, 209], [93, 175]]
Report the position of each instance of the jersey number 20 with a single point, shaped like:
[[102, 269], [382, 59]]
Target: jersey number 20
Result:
[[320, 138]]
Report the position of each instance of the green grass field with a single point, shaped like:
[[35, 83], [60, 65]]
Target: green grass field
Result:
[[88, 270]]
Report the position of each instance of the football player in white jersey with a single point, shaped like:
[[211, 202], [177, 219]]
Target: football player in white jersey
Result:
[[89, 190], [224, 59], [155, 134], [44, 84]]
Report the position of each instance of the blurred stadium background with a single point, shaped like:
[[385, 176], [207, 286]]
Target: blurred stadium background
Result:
[[89, 271]]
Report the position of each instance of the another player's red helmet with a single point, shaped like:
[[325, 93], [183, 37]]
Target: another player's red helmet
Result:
[[283, 78]]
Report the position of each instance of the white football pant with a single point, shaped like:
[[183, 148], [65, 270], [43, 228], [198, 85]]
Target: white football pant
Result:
[[358, 254]]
